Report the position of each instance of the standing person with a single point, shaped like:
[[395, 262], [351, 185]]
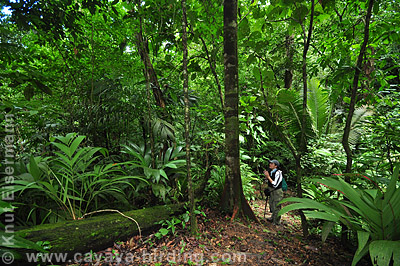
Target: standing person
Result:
[[274, 178]]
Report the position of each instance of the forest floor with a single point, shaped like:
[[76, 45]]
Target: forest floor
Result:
[[225, 242]]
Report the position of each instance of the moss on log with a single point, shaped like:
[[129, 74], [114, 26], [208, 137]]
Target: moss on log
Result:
[[96, 233]]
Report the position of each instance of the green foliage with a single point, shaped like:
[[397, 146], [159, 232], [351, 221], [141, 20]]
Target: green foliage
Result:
[[379, 139], [249, 180], [290, 110], [373, 213], [77, 64], [289, 103], [216, 184], [325, 156], [11, 239], [103, 113], [167, 169], [170, 226], [74, 179], [359, 119], [217, 181], [383, 252]]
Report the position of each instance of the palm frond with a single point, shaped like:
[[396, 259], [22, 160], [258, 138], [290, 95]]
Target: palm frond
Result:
[[290, 109], [318, 106], [360, 116]]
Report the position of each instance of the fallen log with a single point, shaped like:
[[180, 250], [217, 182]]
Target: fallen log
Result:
[[99, 232]]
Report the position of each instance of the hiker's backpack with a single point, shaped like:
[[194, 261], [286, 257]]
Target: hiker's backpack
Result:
[[284, 185]]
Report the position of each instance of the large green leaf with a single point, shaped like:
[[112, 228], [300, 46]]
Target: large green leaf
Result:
[[5, 207], [391, 189], [354, 196], [34, 169], [318, 105], [383, 251], [326, 229], [74, 145], [359, 118], [362, 249], [290, 109], [305, 203], [322, 215]]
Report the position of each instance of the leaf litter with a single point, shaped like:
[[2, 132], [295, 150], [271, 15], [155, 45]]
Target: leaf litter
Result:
[[224, 242]]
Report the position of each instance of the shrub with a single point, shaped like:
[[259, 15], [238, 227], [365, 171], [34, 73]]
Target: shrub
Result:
[[373, 213], [73, 179]]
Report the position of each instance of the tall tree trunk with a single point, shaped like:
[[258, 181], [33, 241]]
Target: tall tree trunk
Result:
[[232, 199], [289, 61], [347, 128], [303, 140], [193, 220], [358, 68]]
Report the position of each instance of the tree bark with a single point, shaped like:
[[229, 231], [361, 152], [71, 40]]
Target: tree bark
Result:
[[144, 55], [358, 68], [149, 70], [232, 199], [150, 73], [99, 232], [289, 61], [193, 220]]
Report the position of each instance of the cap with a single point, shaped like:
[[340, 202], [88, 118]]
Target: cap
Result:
[[275, 162]]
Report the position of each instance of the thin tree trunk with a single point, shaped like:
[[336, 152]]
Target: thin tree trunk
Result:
[[193, 220], [92, 59], [148, 80], [347, 128], [232, 198], [303, 141], [346, 133], [299, 193]]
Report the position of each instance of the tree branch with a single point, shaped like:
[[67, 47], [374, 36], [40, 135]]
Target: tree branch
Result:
[[214, 72]]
